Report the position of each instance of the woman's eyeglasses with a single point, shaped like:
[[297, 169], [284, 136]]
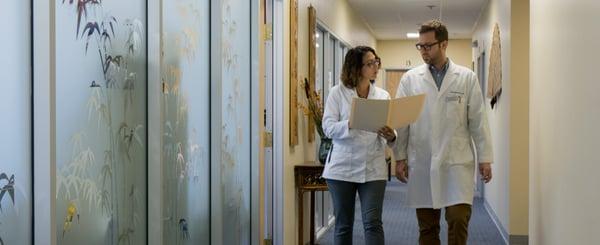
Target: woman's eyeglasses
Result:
[[373, 63]]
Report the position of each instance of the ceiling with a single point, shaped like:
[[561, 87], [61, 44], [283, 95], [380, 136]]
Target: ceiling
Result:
[[392, 19]]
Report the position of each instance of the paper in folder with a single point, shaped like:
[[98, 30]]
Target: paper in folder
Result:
[[371, 115]]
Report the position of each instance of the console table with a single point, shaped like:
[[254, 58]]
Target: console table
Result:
[[308, 179]]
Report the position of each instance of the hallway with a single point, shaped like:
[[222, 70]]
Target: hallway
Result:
[[400, 223]]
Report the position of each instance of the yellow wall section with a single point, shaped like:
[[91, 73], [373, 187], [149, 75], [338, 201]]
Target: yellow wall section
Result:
[[340, 19], [519, 120]]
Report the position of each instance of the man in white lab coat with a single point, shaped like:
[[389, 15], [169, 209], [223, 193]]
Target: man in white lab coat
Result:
[[434, 154]]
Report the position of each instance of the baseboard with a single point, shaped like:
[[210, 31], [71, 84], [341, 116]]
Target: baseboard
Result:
[[519, 240], [497, 222]]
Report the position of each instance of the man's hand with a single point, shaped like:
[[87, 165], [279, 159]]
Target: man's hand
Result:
[[485, 169], [402, 170]]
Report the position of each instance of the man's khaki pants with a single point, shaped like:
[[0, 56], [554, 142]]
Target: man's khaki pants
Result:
[[457, 217]]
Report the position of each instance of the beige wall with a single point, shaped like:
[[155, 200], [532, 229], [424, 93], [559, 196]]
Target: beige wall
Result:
[[497, 191], [340, 19], [564, 122], [519, 120], [403, 54]]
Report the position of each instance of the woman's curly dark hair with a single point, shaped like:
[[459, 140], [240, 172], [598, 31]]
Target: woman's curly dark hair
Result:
[[353, 63]]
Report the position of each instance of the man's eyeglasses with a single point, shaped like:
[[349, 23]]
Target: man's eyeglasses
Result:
[[425, 47], [373, 63]]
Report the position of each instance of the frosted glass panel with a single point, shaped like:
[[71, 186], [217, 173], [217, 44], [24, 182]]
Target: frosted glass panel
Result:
[[235, 111], [186, 122], [15, 127], [101, 122]]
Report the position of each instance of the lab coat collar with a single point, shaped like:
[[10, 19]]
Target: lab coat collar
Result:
[[449, 79]]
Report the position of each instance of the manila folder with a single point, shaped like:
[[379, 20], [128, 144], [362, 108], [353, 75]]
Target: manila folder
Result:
[[371, 115]]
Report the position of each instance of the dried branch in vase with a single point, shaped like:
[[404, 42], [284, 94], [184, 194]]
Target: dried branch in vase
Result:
[[314, 107]]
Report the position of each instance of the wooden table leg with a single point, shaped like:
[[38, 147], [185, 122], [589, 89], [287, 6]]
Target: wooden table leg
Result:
[[312, 217], [300, 217]]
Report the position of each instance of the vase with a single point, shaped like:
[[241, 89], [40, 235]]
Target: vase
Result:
[[324, 148]]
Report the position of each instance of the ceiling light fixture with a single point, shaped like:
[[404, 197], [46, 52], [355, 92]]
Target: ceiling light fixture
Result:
[[412, 35]]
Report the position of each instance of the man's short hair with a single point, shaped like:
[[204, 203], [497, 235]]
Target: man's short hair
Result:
[[441, 33]]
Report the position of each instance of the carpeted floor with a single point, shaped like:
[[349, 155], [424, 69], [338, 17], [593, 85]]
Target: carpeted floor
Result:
[[400, 223]]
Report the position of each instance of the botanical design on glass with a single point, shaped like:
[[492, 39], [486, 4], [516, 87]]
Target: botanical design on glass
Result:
[[7, 188], [182, 153], [187, 40], [110, 191], [183, 228], [232, 136], [71, 213]]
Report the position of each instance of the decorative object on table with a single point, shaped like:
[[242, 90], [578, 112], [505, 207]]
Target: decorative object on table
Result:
[[314, 110], [494, 89]]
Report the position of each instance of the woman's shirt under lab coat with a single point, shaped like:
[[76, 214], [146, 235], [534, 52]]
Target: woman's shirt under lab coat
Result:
[[357, 155]]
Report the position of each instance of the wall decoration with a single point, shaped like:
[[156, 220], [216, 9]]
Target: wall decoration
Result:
[[312, 61], [293, 72], [495, 69], [110, 67]]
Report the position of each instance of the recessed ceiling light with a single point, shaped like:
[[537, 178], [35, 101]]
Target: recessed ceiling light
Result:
[[412, 35]]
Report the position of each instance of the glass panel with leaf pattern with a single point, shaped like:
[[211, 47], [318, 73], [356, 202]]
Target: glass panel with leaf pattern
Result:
[[186, 121], [101, 122], [15, 128], [235, 111]]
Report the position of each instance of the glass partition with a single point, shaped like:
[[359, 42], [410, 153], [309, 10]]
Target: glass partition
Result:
[[15, 128], [186, 121], [235, 121], [101, 122]]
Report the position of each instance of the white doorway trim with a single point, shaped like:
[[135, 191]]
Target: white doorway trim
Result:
[[278, 117]]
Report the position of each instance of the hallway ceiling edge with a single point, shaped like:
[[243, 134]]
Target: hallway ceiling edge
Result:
[[392, 19]]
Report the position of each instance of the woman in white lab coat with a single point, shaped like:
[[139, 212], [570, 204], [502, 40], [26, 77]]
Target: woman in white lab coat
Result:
[[356, 162]]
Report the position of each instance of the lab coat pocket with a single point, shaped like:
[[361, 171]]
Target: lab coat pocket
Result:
[[455, 111], [460, 151], [341, 160]]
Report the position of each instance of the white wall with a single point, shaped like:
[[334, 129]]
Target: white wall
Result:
[[497, 191], [564, 122]]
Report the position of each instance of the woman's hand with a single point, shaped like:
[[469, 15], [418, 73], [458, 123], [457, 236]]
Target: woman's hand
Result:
[[387, 133]]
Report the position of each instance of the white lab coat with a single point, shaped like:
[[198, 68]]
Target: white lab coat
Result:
[[438, 145], [357, 155]]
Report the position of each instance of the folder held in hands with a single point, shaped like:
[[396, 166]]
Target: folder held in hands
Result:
[[371, 115]]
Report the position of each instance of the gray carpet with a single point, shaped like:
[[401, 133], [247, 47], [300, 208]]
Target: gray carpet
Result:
[[400, 222]]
